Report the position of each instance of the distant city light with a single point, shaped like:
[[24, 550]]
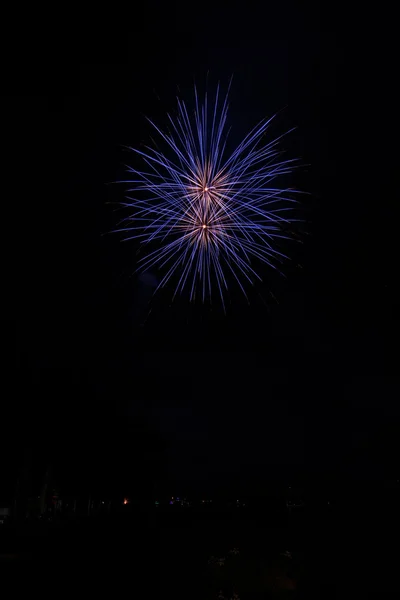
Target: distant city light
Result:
[[126, 501]]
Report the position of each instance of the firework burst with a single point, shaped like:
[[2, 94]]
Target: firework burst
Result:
[[205, 218]]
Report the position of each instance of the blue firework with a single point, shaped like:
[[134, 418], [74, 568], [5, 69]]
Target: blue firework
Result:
[[206, 218]]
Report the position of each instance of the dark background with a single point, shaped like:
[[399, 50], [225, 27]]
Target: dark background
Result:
[[303, 389]]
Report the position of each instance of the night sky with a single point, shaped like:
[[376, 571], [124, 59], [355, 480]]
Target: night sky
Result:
[[304, 387]]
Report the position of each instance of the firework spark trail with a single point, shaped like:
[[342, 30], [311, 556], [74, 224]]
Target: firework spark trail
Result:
[[207, 217]]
